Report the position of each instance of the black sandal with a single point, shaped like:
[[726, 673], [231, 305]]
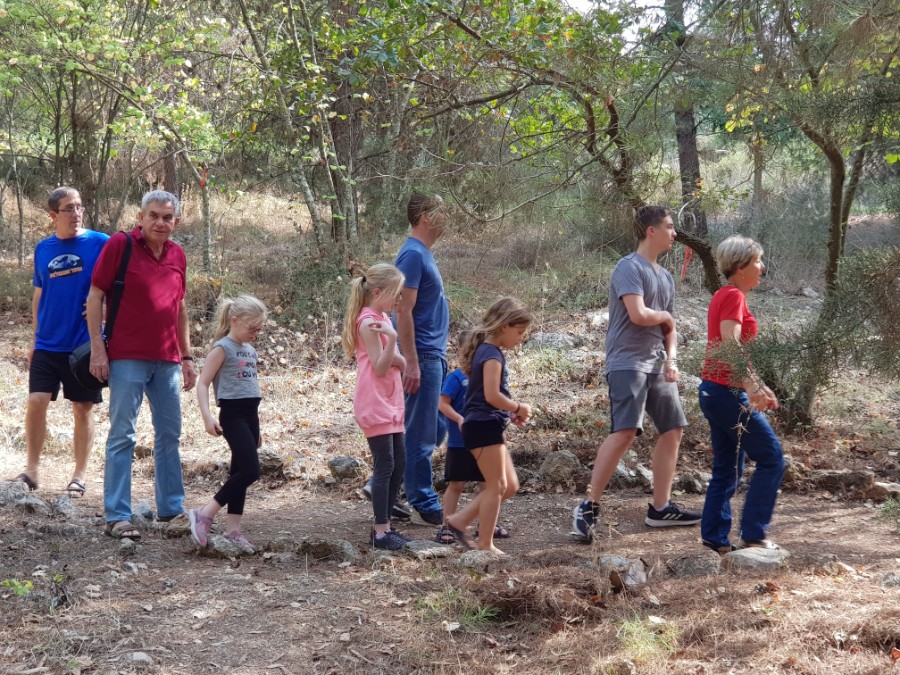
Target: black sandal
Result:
[[76, 488], [500, 532], [444, 536], [462, 537], [25, 478]]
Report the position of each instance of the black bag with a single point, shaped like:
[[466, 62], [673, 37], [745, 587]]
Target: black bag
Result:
[[80, 359]]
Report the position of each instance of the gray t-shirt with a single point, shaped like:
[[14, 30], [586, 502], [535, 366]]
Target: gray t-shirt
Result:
[[237, 376], [629, 346]]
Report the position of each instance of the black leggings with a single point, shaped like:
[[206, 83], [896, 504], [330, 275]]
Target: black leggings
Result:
[[239, 419], [389, 455]]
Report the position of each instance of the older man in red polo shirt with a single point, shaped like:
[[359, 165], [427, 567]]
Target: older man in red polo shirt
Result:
[[149, 349]]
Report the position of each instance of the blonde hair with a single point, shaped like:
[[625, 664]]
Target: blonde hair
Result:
[[242, 307], [735, 253], [379, 276], [504, 312]]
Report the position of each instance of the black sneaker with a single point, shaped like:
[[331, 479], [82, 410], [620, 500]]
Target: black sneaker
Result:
[[400, 535], [399, 512], [434, 518], [389, 542], [760, 543], [584, 517], [671, 516]]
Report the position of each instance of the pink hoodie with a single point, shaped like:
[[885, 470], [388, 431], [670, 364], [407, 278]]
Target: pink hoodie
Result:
[[377, 401]]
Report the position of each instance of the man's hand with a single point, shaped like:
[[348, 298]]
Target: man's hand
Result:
[[99, 366], [187, 373], [412, 377], [670, 371]]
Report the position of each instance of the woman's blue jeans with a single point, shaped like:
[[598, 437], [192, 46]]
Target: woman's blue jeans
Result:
[[129, 380], [423, 432], [738, 432]]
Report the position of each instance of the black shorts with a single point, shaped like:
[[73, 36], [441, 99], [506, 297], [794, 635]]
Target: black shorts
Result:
[[482, 433], [460, 465], [50, 369]]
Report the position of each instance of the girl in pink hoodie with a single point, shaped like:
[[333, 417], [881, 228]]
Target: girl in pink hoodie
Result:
[[378, 399]]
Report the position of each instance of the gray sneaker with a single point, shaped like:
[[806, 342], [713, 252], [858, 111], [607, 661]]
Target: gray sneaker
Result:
[[391, 541]]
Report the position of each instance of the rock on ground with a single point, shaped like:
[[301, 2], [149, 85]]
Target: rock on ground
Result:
[[560, 468], [424, 549], [757, 558], [701, 564], [623, 573], [342, 467]]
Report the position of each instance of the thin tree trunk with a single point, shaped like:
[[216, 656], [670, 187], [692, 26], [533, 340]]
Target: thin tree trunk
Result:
[[389, 194], [756, 201], [299, 172]]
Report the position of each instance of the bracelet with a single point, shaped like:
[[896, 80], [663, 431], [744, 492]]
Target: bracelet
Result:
[[187, 358], [516, 411]]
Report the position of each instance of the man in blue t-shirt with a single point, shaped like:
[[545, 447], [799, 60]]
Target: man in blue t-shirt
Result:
[[62, 277], [423, 326]]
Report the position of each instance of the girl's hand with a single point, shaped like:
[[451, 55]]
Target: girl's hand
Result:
[[212, 427], [384, 328], [520, 418], [771, 399]]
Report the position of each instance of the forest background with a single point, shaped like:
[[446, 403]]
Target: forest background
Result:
[[295, 131]]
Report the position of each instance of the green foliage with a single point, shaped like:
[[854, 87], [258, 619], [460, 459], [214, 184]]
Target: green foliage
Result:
[[890, 511], [859, 326], [544, 364], [452, 605], [16, 291], [648, 642], [19, 588], [318, 289]]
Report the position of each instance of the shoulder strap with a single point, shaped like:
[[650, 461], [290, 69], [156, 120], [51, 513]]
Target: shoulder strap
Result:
[[118, 287]]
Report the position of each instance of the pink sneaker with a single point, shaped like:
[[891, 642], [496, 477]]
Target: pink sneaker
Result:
[[200, 526], [239, 538]]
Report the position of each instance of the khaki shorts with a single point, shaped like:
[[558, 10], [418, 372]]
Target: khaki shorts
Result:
[[631, 393]]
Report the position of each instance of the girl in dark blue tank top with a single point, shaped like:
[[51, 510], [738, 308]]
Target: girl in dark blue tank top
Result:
[[488, 410]]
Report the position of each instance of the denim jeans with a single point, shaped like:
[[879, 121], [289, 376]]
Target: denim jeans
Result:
[[424, 429], [738, 432], [129, 380]]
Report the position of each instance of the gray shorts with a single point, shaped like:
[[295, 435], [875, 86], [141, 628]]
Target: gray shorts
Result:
[[632, 392]]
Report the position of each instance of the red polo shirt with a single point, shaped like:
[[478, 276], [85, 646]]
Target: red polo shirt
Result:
[[147, 323]]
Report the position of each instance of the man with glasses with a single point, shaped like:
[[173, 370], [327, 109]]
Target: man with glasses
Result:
[[62, 276], [148, 353]]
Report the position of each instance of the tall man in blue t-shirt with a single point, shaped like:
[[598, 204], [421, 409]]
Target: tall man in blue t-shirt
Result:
[[423, 326], [62, 277]]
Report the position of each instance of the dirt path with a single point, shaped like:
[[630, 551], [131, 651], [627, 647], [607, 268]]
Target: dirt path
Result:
[[267, 613]]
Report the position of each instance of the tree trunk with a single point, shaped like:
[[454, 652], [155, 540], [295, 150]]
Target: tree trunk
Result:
[[170, 170], [394, 148], [757, 200], [693, 217]]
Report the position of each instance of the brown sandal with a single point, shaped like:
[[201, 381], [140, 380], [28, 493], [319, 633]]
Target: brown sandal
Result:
[[122, 530], [76, 488]]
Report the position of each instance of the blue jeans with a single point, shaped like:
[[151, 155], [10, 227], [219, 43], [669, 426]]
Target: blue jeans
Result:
[[424, 429], [738, 432], [129, 380]]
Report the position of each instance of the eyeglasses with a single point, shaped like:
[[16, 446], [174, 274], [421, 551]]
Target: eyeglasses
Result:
[[71, 210]]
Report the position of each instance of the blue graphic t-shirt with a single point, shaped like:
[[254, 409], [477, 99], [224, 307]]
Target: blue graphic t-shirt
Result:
[[62, 270], [455, 387], [431, 315], [477, 407]]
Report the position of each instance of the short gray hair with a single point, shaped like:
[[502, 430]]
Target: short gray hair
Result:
[[735, 253], [161, 197]]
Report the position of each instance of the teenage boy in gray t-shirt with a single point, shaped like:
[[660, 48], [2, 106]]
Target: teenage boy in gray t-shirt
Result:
[[641, 371]]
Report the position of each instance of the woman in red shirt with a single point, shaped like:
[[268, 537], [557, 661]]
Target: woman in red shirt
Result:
[[732, 397]]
